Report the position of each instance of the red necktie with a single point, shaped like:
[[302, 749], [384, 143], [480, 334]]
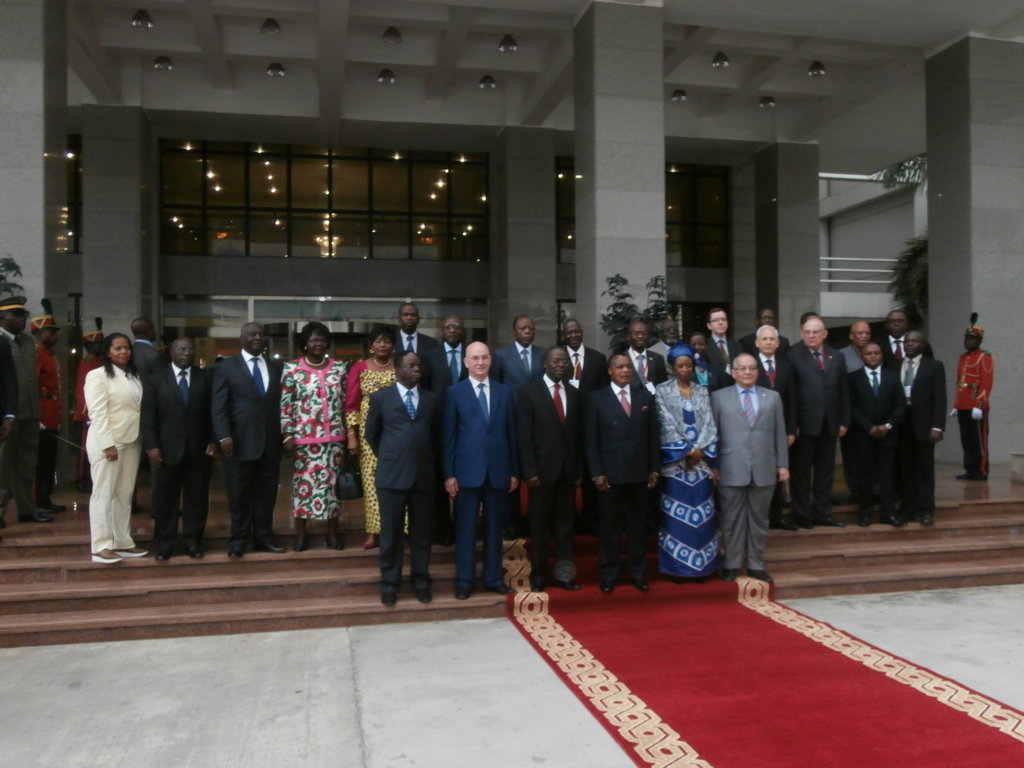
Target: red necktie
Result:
[[558, 405], [898, 352], [771, 373], [819, 360], [624, 402]]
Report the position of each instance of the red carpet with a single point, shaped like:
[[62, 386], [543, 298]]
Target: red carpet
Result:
[[690, 675]]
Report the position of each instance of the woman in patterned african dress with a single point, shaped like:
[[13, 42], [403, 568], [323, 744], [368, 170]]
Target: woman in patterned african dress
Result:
[[365, 378], [313, 426]]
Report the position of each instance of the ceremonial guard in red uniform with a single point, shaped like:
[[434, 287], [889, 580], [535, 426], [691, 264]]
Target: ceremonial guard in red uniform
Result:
[[51, 407], [92, 343], [974, 376]]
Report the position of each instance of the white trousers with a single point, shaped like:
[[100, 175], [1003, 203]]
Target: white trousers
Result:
[[110, 506]]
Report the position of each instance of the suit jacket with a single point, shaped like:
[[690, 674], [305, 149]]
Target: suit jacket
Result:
[[889, 359], [713, 355], [253, 422], [868, 409], [927, 404], [507, 366], [423, 342], [8, 380], [750, 454], [746, 344], [657, 372], [822, 398], [783, 385], [625, 449], [113, 409], [406, 449], [180, 431], [595, 369], [25, 403], [440, 377], [474, 450], [547, 447], [147, 359]]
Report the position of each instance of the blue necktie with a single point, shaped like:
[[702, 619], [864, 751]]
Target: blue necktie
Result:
[[257, 378], [482, 399], [453, 365], [183, 387], [874, 382], [526, 361], [409, 405]]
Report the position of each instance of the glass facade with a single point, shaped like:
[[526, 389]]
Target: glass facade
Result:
[[70, 235], [696, 214], [291, 201]]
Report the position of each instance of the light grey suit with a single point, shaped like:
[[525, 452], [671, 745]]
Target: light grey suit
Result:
[[748, 461]]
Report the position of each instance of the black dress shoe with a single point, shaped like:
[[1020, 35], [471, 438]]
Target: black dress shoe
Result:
[[830, 522], [569, 585], [536, 584], [268, 546], [462, 593], [446, 540], [38, 517], [334, 543], [783, 525], [760, 575], [50, 509], [927, 520], [196, 553], [805, 524], [729, 574], [864, 521], [236, 552], [640, 584], [299, 545], [607, 587], [893, 521], [163, 557], [501, 589], [424, 595], [389, 599]]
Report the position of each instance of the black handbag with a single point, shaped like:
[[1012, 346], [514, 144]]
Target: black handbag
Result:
[[350, 480]]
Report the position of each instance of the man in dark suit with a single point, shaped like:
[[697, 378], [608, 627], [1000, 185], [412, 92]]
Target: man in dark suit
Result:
[[520, 361], [410, 339], [402, 428], [247, 423], [480, 456], [446, 366], [145, 356], [177, 436], [924, 384], [648, 367], [549, 415], [588, 368], [774, 372], [822, 414], [765, 317], [753, 458], [877, 406], [621, 438], [721, 351]]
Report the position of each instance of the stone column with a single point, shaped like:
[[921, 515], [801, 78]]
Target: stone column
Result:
[[118, 270], [786, 225], [523, 261], [975, 123], [620, 154], [33, 105]]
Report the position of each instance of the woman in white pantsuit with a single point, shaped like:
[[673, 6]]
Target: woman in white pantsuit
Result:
[[112, 395]]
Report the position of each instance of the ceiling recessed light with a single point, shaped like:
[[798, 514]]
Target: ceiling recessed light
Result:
[[270, 27], [142, 20], [721, 61], [386, 77], [163, 63], [508, 44], [487, 82], [392, 36], [679, 95], [275, 69], [817, 69], [766, 102]]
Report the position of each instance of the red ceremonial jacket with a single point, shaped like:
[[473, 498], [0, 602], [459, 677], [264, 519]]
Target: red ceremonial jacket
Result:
[[48, 378], [974, 380]]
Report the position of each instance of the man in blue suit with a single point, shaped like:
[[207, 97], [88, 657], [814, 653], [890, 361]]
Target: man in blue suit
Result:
[[480, 457], [520, 361]]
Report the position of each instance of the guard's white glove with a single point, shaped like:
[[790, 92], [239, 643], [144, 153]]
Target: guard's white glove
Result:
[[976, 414], [952, 411]]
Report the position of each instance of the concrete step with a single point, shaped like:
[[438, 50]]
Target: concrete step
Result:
[[228, 618]]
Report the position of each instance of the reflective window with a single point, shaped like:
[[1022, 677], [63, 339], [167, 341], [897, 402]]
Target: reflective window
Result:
[[292, 201]]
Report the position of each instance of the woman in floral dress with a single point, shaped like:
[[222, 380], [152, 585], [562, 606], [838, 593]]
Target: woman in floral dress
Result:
[[313, 427], [365, 378]]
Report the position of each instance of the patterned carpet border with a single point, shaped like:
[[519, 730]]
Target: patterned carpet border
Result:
[[653, 741], [755, 595]]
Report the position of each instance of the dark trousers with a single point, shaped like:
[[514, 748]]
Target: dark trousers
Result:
[[187, 483], [46, 466], [875, 474], [467, 504], [974, 441], [627, 500], [917, 475], [812, 472], [252, 492], [443, 528], [393, 505], [586, 521], [18, 456], [551, 517]]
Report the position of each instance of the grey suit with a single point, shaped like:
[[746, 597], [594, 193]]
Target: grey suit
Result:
[[748, 461]]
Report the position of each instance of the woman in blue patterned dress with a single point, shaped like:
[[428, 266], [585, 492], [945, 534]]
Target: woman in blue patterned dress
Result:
[[688, 537]]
